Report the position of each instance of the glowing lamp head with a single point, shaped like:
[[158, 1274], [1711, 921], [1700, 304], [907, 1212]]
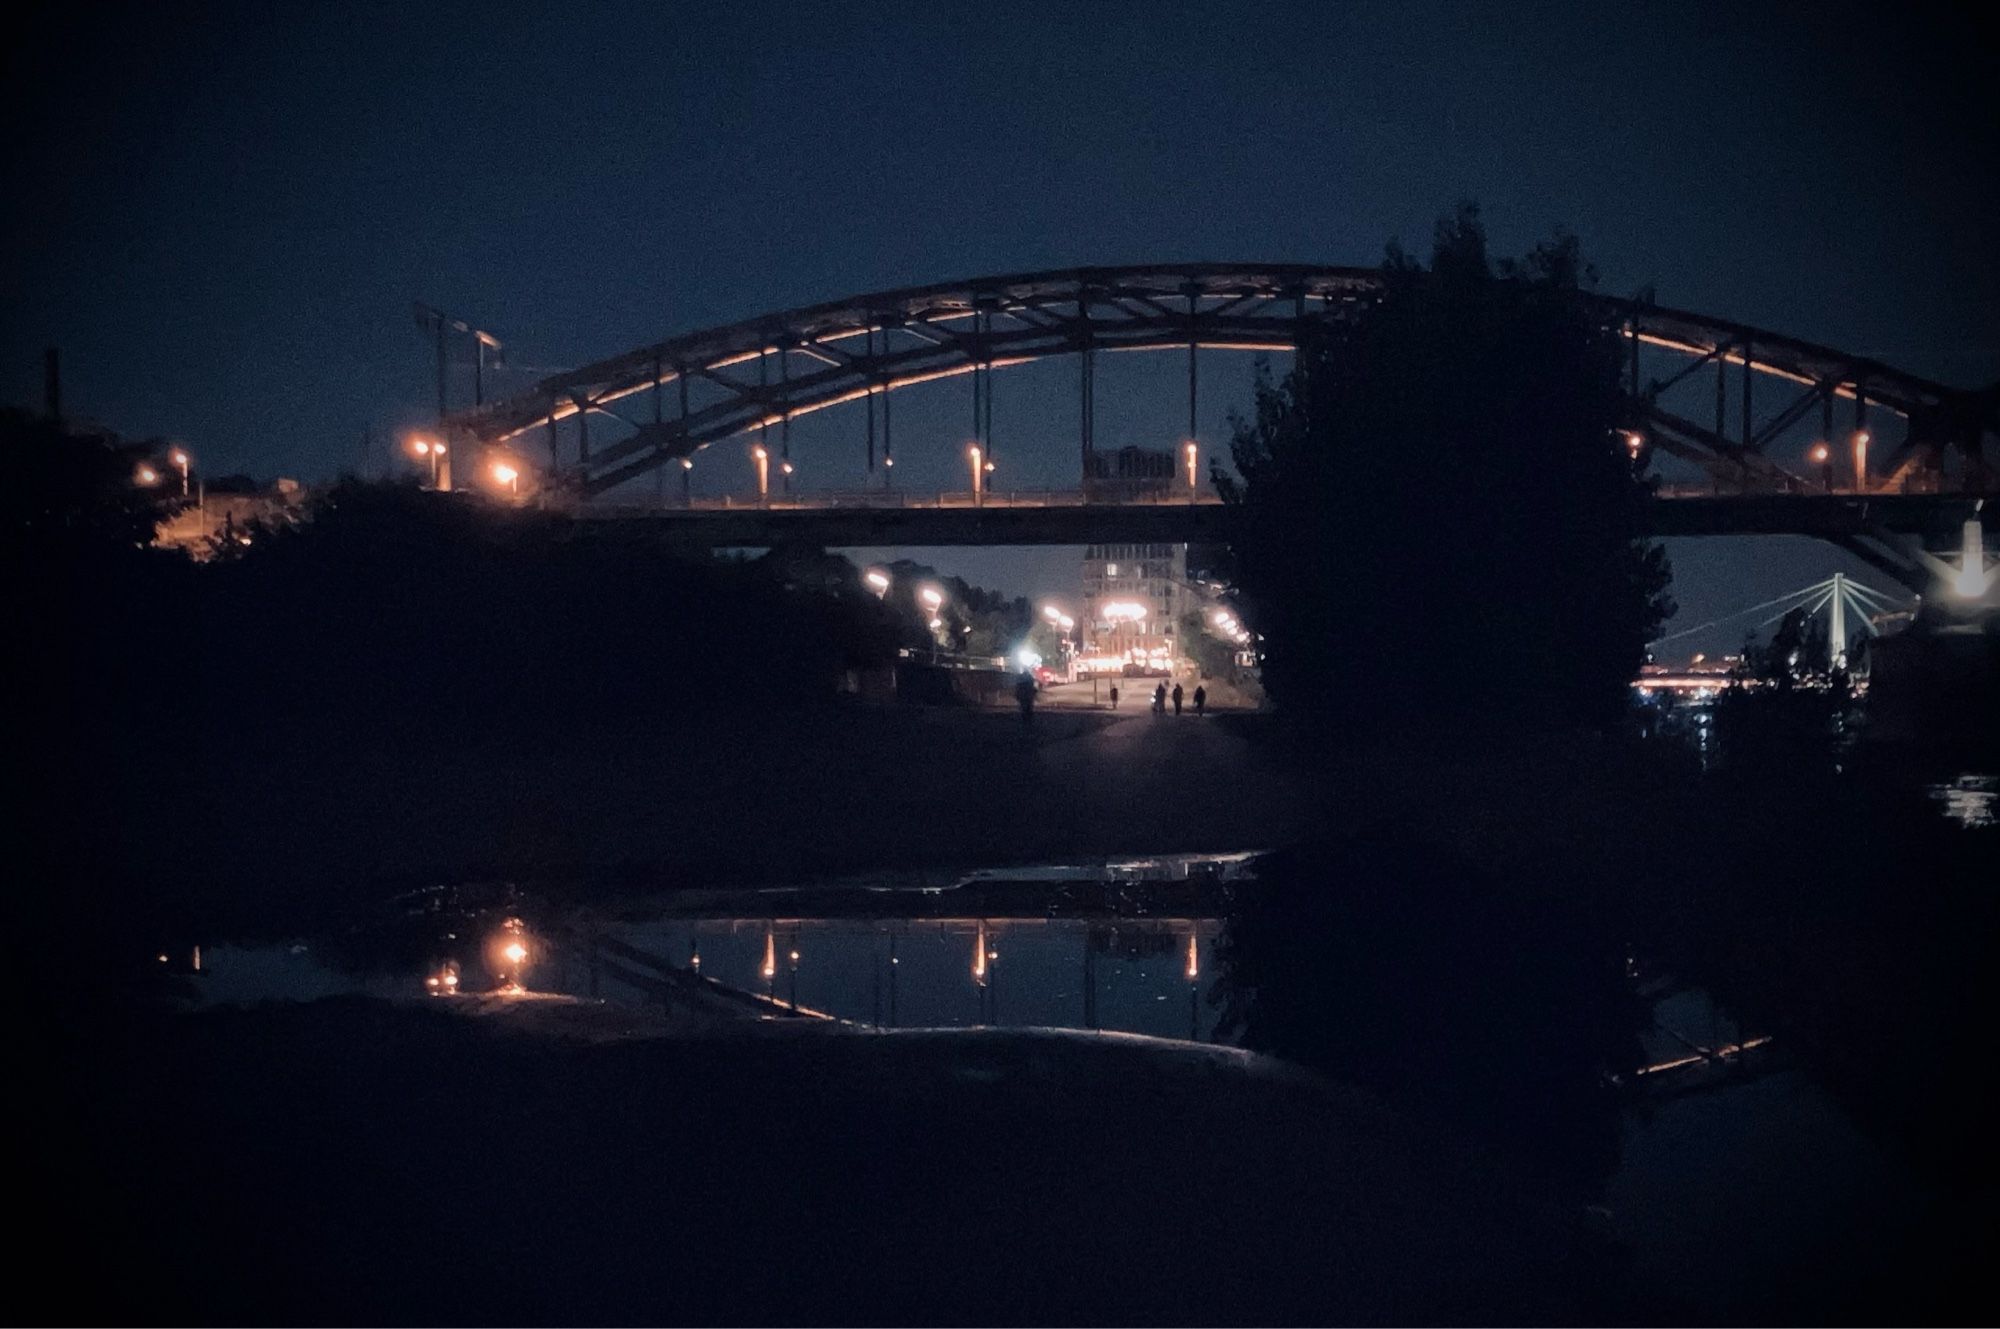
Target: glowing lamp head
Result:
[[932, 597], [1819, 453], [180, 458], [759, 453], [786, 467], [687, 463], [514, 952], [504, 473], [876, 578], [421, 447], [146, 475]]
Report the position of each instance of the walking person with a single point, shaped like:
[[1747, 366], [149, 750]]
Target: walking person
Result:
[[1160, 699], [1114, 696], [1177, 699], [1200, 698], [1024, 693]]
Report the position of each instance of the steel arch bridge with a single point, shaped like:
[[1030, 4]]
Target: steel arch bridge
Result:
[[663, 403]]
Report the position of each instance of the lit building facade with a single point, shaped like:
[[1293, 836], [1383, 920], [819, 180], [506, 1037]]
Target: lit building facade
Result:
[[1133, 598]]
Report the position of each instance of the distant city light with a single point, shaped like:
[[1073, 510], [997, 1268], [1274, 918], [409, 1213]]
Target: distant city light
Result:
[[1119, 611], [146, 475], [877, 580]]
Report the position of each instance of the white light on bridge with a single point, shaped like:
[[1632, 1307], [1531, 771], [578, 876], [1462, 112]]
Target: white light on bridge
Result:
[[1973, 577]]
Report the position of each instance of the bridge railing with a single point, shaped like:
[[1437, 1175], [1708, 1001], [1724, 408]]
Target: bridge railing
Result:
[[872, 499]]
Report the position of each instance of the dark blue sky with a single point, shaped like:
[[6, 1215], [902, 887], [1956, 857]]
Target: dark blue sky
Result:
[[221, 213]]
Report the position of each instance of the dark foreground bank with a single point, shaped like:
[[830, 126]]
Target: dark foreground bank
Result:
[[358, 1162]]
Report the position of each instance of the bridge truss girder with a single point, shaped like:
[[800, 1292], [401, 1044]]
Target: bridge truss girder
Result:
[[763, 373]]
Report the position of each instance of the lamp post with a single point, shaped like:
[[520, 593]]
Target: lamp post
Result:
[[426, 450], [878, 581], [978, 473], [509, 476], [1192, 453], [933, 601], [181, 459], [1822, 456], [762, 457], [687, 482], [1861, 439]]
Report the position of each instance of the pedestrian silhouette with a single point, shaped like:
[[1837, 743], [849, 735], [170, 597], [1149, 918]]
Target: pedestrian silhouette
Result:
[[1160, 699], [1177, 699], [1114, 696], [1024, 692], [1200, 698]]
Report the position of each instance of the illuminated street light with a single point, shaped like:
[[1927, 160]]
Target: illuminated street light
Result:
[[978, 472], [1973, 577], [687, 482], [762, 457], [146, 477], [878, 581], [1861, 439], [1193, 453], [932, 597], [180, 458], [1820, 455], [1635, 443], [509, 476], [431, 451]]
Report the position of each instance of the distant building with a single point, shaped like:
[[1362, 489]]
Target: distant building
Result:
[[1133, 597], [1128, 473]]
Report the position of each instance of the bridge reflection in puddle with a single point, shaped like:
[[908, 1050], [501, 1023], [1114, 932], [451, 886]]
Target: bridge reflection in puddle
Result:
[[1142, 976]]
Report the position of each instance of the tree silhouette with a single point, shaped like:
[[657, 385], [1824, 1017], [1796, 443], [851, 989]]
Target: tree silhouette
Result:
[[1438, 515]]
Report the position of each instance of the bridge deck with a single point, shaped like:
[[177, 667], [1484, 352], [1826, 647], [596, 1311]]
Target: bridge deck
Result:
[[1057, 517]]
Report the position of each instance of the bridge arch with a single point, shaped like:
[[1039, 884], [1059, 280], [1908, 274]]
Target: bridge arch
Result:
[[868, 347]]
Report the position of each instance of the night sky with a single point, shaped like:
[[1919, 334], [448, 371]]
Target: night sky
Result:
[[222, 213]]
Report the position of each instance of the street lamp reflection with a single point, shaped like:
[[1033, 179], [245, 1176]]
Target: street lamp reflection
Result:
[[508, 955]]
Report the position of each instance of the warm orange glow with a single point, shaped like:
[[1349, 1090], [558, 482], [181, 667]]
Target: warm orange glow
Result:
[[146, 475], [515, 952], [1193, 958], [1819, 453], [979, 957], [769, 969]]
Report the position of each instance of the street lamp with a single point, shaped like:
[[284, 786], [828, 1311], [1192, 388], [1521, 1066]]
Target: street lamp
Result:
[[978, 473], [425, 449], [180, 458], [762, 457], [687, 482], [878, 581], [1193, 453], [1821, 456], [509, 476], [1861, 461], [146, 477], [1635, 443]]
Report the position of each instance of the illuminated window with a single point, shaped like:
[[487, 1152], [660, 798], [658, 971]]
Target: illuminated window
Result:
[[1110, 569]]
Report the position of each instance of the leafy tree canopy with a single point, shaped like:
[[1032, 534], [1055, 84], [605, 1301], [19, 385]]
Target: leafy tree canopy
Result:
[[1439, 518]]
